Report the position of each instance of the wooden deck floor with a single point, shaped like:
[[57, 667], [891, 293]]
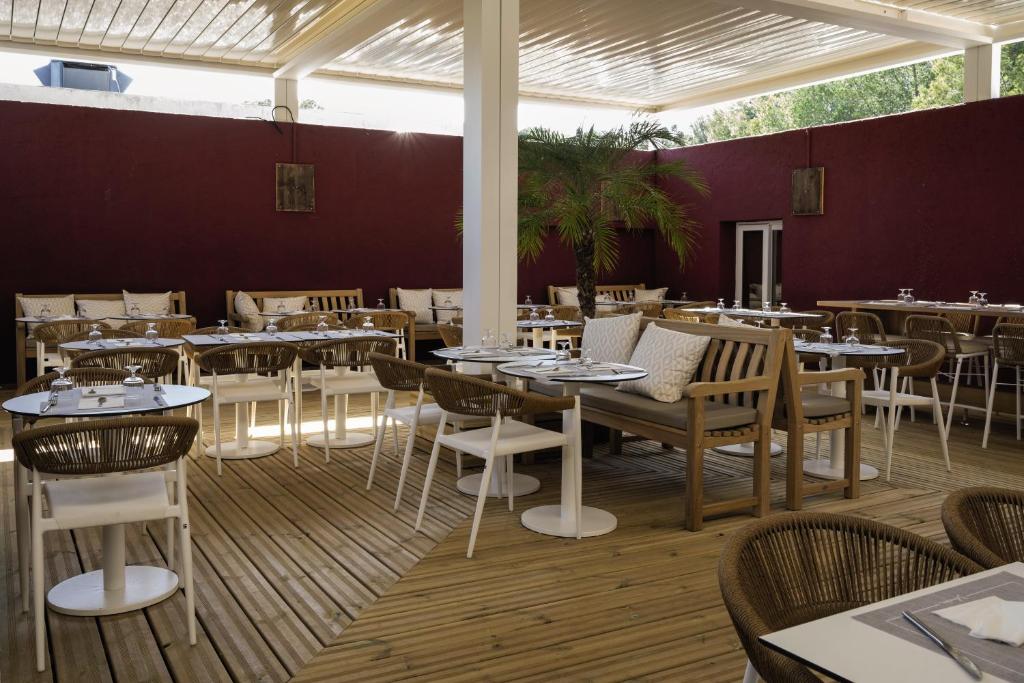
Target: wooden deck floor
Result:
[[303, 573]]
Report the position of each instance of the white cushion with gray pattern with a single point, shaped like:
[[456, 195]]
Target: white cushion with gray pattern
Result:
[[246, 307], [147, 303], [670, 357], [567, 296], [642, 295], [611, 340], [32, 306], [99, 309], [445, 298], [418, 301]]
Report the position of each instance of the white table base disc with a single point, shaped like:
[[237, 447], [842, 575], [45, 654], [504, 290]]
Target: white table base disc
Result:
[[230, 450], [83, 595], [347, 441], [823, 470], [746, 450], [522, 485], [547, 519]]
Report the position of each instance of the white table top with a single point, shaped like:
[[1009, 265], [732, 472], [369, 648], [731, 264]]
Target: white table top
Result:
[[846, 648], [572, 371], [366, 309], [476, 354], [142, 315], [284, 314], [170, 395], [754, 313], [547, 324], [51, 319], [128, 343], [290, 337], [844, 349]]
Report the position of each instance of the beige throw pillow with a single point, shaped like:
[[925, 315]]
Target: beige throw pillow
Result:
[[611, 340], [731, 322], [147, 303], [642, 295], [246, 307], [60, 306], [418, 301], [284, 305], [99, 309], [440, 296], [567, 296], [670, 358]]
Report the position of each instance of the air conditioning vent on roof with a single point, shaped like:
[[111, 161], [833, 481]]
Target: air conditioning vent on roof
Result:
[[83, 76]]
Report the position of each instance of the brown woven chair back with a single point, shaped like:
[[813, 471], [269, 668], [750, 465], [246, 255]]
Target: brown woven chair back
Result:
[[562, 312], [59, 331], [245, 359], [869, 326], [456, 320], [823, 319], [312, 327], [680, 314], [986, 524], [649, 309], [789, 569], [105, 333], [104, 446], [155, 363], [1008, 344], [392, 321], [293, 322], [1010, 319], [934, 328], [699, 304], [396, 373], [82, 377], [457, 393], [807, 334], [962, 321], [353, 352], [451, 335], [168, 329], [920, 358]]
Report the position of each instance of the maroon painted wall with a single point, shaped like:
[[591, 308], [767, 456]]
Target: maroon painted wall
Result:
[[930, 200], [98, 200]]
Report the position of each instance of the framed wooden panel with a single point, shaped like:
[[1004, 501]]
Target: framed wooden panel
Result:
[[295, 188], [809, 191]]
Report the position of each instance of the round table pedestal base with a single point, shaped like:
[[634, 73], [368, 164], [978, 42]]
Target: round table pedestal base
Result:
[[350, 440], [746, 450], [522, 485], [83, 595], [547, 519], [231, 450], [823, 470]]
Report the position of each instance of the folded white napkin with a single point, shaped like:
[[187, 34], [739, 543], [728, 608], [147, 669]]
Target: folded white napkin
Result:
[[105, 390], [991, 618], [94, 403]]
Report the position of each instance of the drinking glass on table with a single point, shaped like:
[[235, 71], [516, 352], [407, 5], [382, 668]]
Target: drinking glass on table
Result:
[[910, 297], [380, 305], [784, 307], [529, 300], [684, 297], [45, 312], [735, 304], [223, 329], [448, 302], [133, 384], [280, 308], [135, 311], [152, 334], [60, 388], [982, 299], [321, 325], [766, 307], [367, 323], [563, 351], [506, 343], [534, 316], [82, 311], [973, 298], [272, 327], [826, 335], [550, 315], [586, 359], [94, 333], [721, 304], [851, 338]]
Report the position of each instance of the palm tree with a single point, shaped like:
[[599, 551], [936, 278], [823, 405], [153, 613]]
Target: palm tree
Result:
[[582, 185]]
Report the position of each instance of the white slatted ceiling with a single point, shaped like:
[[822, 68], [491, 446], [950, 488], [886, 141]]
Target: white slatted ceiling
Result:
[[992, 12]]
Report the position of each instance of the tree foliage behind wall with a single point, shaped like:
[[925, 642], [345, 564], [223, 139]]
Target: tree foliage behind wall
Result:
[[893, 91]]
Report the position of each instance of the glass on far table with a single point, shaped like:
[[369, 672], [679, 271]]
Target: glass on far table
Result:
[[973, 298], [223, 329], [133, 385], [152, 334], [380, 305], [826, 335], [321, 325], [721, 304], [851, 338], [271, 327], [94, 332], [60, 388], [45, 312], [982, 299], [563, 351], [368, 323]]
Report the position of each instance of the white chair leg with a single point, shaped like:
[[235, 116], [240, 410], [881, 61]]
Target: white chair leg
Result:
[[481, 500], [943, 433], [509, 462], [186, 570], [24, 532], [750, 674], [282, 416], [323, 413], [990, 397], [216, 432], [952, 395], [431, 466], [394, 432], [293, 413], [377, 445], [373, 411], [38, 606], [406, 459]]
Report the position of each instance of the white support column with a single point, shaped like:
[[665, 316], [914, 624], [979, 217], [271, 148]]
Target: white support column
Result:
[[981, 72], [286, 94], [490, 167]]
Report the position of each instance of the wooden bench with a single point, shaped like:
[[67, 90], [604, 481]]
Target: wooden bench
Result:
[[730, 401], [25, 347], [324, 300], [422, 331], [617, 292]]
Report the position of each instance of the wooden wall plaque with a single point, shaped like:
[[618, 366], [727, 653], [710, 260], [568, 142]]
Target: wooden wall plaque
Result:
[[809, 191], [295, 188]]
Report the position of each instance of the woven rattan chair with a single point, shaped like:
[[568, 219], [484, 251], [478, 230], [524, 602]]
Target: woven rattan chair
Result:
[[823, 319], [921, 359], [986, 524], [349, 359], [964, 322], [155, 363], [789, 569], [958, 349], [681, 314], [399, 375], [79, 453], [261, 372], [293, 322], [471, 396], [451, 335], [398, 322], [105, 333], [172, 328], [1007, 352], [870, 329], [49, 336]]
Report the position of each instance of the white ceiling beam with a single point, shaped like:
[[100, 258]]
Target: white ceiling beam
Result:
[[738, 89], [899, 23], [354, 23]]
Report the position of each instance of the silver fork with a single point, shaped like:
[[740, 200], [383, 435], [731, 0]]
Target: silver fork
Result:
[[50, 402]]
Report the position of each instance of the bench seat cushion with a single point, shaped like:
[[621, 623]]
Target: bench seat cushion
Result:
[[427, 330], [820, 405]]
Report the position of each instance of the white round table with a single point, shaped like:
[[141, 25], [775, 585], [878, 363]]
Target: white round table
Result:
[[115, 588], [834, 467], [561, 520]]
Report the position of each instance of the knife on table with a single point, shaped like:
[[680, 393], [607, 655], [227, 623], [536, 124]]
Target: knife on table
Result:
[[959, 657]]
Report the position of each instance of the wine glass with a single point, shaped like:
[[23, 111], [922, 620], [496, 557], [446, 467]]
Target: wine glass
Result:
[[587, 358], [367, 323], [550, 315], [45, 312], [380, 304], [784, 307], [563, 351], [271, 328], [82, 311], [135, 311], [826, 335], [851, 338], [534, 316], [721, 304], [223, 328], [94, 333], [529, 300], [759, 322], [321, 325], [133, 384], [982, 299], [910, 297], [684, 296], [152, 333], [973, 298], [766, 307], [735, 304], [60, 388], [506, 343]]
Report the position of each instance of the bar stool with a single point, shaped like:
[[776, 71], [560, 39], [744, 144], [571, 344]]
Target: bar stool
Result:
[[84, 451], [465, 395], [155, 363], [1007, 351], [350, 361], [261, 371]]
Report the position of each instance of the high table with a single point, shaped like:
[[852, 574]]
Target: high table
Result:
[[834, 467], [116, 587], [522, 484], [561, 519]]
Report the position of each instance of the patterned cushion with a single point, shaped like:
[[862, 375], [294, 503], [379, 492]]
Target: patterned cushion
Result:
[[731, 322], [418, 301], [454, 296], [59, 306], [284, 305], [246, 307], [670, 358], [641, 295], [99, 309], [147, 303], [567, 296], [611, 340]]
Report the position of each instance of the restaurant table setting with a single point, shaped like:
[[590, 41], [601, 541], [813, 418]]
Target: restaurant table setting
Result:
[[290, 336], [126, 343]]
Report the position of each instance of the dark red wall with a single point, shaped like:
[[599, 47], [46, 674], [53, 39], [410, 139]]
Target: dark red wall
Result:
[[930, 200]]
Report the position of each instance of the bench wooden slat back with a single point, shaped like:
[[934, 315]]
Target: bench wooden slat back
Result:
[[617, 292], [178, 304], [325, 299]]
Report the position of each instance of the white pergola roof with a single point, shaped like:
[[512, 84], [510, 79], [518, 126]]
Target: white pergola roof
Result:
[[648, 54]]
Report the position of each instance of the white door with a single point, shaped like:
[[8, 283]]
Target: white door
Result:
[[758, 263]]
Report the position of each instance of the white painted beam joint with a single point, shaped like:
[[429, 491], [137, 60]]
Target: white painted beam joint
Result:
[[981, 72]]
